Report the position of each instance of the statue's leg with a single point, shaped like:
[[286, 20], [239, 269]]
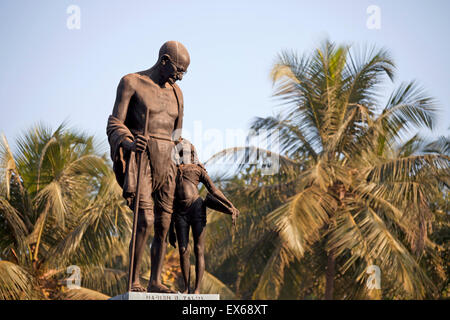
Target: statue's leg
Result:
[[164, 182], [144, 225], [145, 222], [199, 232], [182, 231], [158, 251]]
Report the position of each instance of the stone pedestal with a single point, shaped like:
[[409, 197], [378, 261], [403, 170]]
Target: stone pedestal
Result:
[[164, 296]]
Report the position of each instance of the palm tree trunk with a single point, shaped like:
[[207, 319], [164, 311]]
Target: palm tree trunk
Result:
[[339, 189], [330, 274]]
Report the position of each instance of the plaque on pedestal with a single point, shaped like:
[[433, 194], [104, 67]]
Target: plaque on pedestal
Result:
[[164, 296]]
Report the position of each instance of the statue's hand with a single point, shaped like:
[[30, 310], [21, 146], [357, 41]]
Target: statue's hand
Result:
[[138, 145]]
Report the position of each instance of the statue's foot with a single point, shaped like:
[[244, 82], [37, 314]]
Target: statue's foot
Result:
[[137, 288], [159, 288]]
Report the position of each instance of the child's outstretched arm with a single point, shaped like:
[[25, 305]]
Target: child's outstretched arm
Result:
[[206, 180]]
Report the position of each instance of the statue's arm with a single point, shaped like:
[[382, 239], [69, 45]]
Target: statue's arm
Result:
[[124, 93]]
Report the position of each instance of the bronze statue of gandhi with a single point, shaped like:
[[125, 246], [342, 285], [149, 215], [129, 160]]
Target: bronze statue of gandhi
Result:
[[151, 94]]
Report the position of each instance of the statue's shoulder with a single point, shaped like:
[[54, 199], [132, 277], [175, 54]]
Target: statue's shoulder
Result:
[[136, 80], [127, 81], [130, 79]]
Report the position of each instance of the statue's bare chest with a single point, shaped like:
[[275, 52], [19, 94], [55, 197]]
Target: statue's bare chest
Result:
[[157, 100]]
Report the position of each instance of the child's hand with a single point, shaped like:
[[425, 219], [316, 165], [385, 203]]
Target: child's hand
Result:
[[172, 235], [234, 215]]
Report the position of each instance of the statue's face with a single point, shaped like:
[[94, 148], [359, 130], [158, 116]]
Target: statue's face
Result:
[[174, 71]]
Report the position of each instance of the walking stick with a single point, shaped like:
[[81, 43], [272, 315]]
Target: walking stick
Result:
[[136, 208]]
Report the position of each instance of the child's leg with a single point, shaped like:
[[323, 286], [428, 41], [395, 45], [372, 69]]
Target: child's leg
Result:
[[199, 231], [182, 231]]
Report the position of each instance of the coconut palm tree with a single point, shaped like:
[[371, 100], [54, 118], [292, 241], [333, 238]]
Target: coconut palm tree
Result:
[[60, 206], [352, 186]]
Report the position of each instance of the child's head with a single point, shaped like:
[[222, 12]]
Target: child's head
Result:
[[187, 153]]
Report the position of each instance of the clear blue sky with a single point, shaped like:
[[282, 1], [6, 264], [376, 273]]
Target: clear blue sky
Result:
[[50, 73]]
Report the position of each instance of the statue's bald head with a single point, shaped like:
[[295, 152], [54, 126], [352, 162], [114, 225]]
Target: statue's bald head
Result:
[[177, 53]]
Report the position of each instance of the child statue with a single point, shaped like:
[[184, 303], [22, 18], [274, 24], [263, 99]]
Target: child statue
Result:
[[190, 211]]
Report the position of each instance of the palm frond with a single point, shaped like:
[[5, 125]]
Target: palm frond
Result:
[[100, 225], [363, 72], [16, 283], [104, 280], [409, 168], [212, 285], [241, 157], [14, 221], [408, 108], [272, 278], [300, 219], [441, 146], [396, 258], [7, 167], [290, 139]]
